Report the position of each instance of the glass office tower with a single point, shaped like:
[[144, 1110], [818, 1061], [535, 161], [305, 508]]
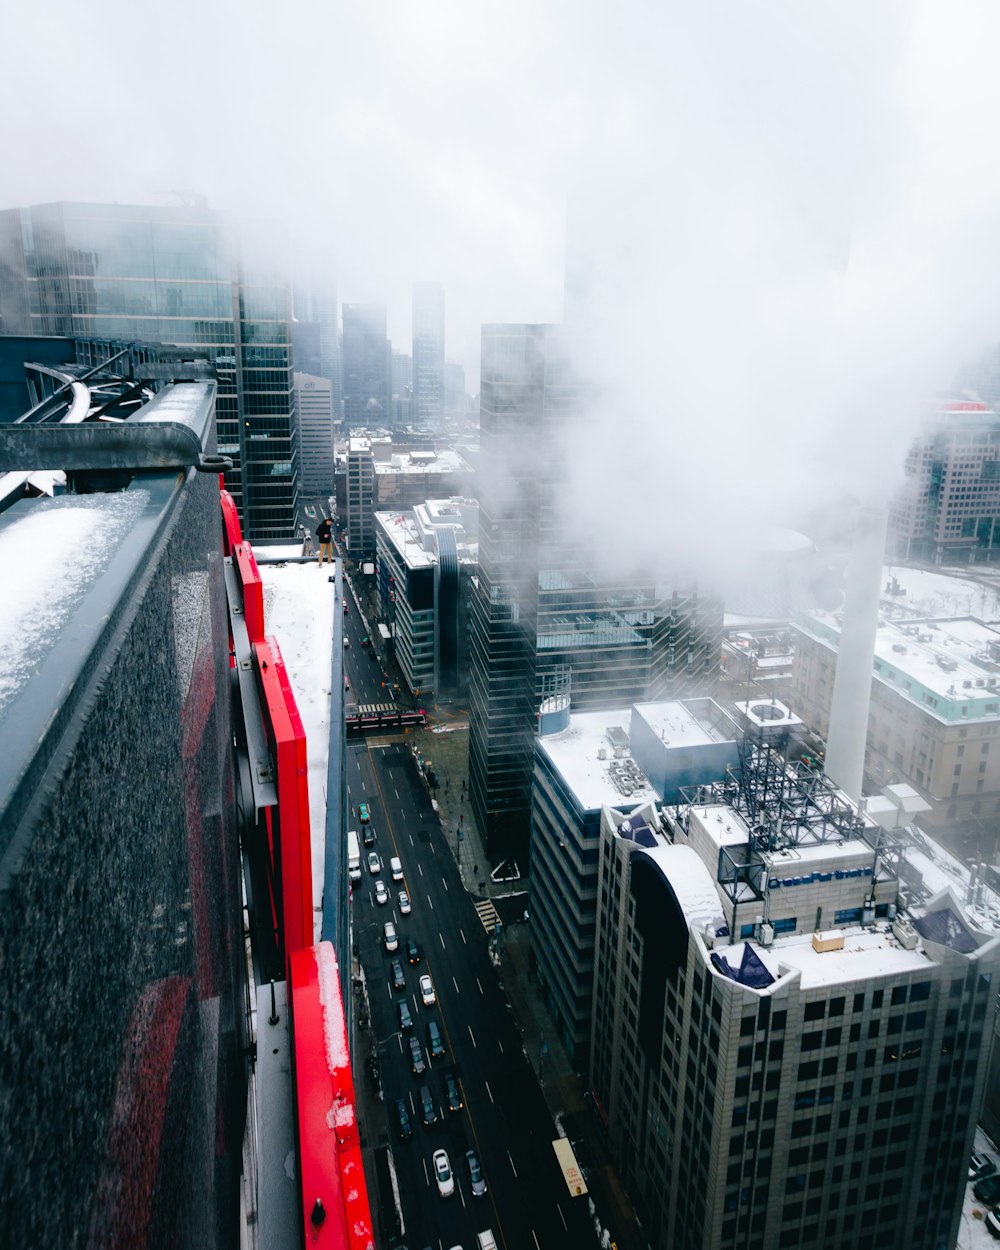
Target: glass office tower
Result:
[[169, 275]]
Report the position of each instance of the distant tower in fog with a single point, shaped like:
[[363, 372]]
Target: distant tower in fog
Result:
[[366, 366], [428, 352]]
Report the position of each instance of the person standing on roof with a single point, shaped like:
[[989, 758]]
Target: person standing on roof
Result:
[[324, 533]]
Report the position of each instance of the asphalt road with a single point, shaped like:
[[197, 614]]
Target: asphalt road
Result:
[[504, 1117]]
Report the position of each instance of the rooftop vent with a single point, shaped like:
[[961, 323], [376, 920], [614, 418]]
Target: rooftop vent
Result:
[[904, 933]]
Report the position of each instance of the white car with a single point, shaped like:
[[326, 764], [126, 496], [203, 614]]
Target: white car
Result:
[[374, 863], [427, 991], [396, 868], [404, 903], [381, 893], [389, 934], [442, 1173]]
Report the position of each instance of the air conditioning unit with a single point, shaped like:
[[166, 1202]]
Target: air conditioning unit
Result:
[[602, 753], [766, 934], [904, 933]]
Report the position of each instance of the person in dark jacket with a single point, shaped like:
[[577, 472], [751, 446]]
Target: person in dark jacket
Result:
[[324, 533]]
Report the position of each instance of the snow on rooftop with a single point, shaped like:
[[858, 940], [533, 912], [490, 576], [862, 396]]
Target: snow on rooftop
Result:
[[574, 754], [298, 611], [675, 724], [692, 883], [867, 953], [51, 554], [939, 594]]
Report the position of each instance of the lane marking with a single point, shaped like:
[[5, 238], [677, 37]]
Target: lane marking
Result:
[[514, 1170], [455, 984], [441, 940], [488, 915], [537, 1246], [472, 1035], [429, 903], [420, 869], [562, 1217], [500, 1044], [480, 987], [461, 934], [489, 1091], [445, 884]]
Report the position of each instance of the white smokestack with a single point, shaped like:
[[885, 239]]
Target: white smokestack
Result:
[[852, 687]]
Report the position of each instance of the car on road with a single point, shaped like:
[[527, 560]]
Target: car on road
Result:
[[428, 1111], [381, 893], [404, 903], [476, 1179], [427, 989], [417, 1064], [442, 1173], [396, 868], [368, 835], [405, 1018], [434, 1043], [403, 1125], [374, 863], [398, 979], [347, 682], [987, 1191], [414, 952], [389, 936], [364, 812], [452, 1093], [981, 1165]]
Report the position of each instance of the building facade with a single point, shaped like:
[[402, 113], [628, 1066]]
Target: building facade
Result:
[[169, 275], [367, 369], [627, 756], [428, 353], [948, 510], [426, 563], [314, 399], [547, 616], [934, 718], [791, 1033], [360, 496]]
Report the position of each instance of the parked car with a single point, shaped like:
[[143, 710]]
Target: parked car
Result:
[[987, 1191], [389, 935], [476, 1179], [374, 863], [434, 1043], [405, 1019], [428, 1111], [981, 1165], [417, 1064], [452, 1093], [398, 979], [403, 1125], [396, 868], [414, 953], [442, 1173], [381, 893], [427, 990], [404, 903]]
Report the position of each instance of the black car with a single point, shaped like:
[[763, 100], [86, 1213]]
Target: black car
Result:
[[368, 835], [476, 1179], [403, 1125], [452, 1093], [398, 978], [980, 1166], [414, 952], [987, 1191], [417, 1064]]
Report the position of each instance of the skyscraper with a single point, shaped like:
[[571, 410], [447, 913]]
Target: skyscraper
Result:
[[314, 397], [366, 365], [169, 275], [550, 619], [428, 352]]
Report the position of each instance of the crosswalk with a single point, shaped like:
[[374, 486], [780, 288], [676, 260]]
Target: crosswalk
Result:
[[488, 915]]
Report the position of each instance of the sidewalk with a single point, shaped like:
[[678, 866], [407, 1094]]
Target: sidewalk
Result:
[[563, 1088]]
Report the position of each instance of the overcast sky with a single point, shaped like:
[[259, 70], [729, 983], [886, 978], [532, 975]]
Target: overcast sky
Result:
[[782, 217]]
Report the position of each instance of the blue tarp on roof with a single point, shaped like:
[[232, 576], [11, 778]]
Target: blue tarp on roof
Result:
[[637, 830], [751, 971], [947, 929]]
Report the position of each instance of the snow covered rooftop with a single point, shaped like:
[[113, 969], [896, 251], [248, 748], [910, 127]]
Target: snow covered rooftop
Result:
[[691, 882], [867, 952], [443, 461], [676, 725], [573, 753]]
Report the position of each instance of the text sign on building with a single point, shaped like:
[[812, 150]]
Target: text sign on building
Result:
[[572, 1175]]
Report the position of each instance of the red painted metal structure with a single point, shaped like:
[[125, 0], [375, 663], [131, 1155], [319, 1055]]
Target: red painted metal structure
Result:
[[335, 1211], [331, 1178]]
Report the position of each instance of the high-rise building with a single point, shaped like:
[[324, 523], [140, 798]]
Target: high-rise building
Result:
[[360, 496], [455, 397], [169, 275], [314, 397], [315, 326], [948, 510], [428, 352], [366, 367], [548, 620], [792, 1020]]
